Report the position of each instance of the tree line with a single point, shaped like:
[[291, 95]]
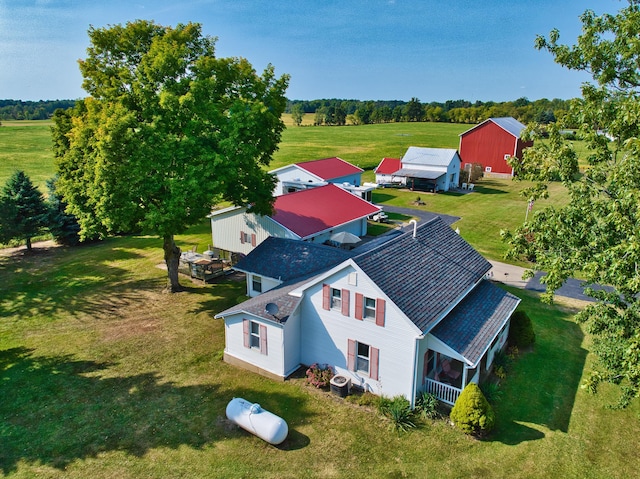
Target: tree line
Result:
[[357, 112], [31, 110]]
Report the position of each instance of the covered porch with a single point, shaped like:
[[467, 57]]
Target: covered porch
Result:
[[446, 377], [462, 346]]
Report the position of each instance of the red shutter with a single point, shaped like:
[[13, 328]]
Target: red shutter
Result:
[[351, 355], [380, 306], [345, 302], [245, 332], [326, 297], [263, 339], [373, 362], [253, 239], [241, 237], [359, 301]]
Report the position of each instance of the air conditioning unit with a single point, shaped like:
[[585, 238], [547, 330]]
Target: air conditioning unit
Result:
[[340, 385]]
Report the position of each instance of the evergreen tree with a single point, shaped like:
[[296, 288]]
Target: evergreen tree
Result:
[[63, 226], [23, 212]]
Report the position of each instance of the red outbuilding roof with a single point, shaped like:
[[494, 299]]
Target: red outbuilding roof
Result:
[[330, 168], [312, 211], [388, 166]]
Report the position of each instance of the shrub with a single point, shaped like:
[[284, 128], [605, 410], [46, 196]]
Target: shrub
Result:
[[427, 405], [472, 413], [500, 371], [319, 375], [398, 410], [521, 330], [491, 391]]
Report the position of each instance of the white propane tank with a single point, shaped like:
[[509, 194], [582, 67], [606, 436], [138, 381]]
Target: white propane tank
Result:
[[262, 423]]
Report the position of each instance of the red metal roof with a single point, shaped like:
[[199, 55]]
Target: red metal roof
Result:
[[388, 166], [330, 168], [314, 210]]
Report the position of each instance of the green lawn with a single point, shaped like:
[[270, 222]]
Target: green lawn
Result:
[[103, 376], [26, 145]]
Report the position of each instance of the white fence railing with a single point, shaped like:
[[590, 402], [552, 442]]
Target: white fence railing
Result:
[[444, 392]]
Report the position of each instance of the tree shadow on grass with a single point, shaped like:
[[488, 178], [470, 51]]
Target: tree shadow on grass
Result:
[[85, 279], [541, 385], [57, 409]]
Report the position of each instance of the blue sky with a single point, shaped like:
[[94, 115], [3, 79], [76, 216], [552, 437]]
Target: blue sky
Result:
[[435, 50]]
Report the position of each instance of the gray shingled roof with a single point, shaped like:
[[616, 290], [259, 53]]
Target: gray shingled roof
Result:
[[425, 275], [287, 259], [279, 296], [471, 327]]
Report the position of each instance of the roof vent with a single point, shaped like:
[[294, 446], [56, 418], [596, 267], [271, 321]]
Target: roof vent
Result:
[[415, 227]]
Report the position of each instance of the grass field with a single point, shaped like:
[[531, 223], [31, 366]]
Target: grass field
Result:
[[104, 376]]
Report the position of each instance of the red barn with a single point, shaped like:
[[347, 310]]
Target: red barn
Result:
[[491, 143]]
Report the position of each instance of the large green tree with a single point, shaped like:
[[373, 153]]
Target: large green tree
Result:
[[23, 212], [168, 130], [597, 232]]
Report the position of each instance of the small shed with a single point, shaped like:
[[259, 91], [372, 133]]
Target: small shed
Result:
[[491, 143]]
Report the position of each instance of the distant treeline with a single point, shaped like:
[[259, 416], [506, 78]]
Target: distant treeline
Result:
[[357, 112], [31, 110]]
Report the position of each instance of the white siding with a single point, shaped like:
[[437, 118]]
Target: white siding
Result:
[[325, 336], [292, 173], [226, 228], [273, 361], [292, 343], [267, 284]]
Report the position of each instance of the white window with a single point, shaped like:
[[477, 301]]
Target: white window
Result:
[[487, 169], [336, 298], [246, 237], [507, 156], [254, 335], [256, 284], [362, 358], [369, 308]]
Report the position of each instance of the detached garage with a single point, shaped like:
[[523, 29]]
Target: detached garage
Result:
[[491, 143]]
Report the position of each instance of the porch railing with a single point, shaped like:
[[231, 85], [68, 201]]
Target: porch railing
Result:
[[444, 392]]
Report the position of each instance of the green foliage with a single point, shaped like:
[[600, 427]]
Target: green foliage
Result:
[[168, 130], [63, 226], [427, 405], [521, 332], [595, 234], [319, 375], [398, 410], [23, 212], [491, 391], [472, 413]]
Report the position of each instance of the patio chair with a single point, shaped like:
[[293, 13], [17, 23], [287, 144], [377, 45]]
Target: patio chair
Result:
[[464, 186], [471, 185], [446, 368]]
